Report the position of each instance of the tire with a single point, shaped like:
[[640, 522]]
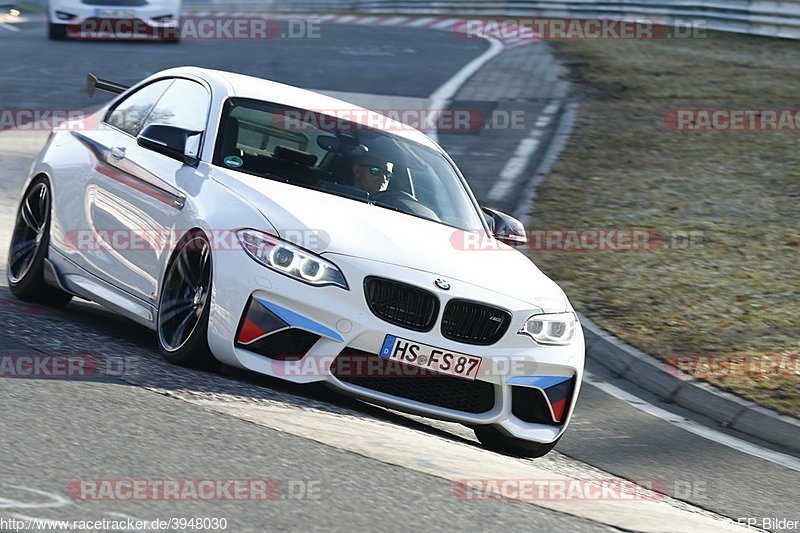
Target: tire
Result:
[[30, 241], [185, 304], [494, 439], [56, 32]]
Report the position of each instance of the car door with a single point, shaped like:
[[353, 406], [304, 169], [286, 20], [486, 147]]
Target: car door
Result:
[[91, 185], [134, 201]]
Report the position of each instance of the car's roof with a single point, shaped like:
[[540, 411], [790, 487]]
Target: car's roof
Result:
[[243, 86]]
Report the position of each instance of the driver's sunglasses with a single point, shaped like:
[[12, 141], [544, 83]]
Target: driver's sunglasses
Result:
[[378, 171]]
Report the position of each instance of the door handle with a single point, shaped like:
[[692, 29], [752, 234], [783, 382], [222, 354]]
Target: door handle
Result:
[[118, 152]]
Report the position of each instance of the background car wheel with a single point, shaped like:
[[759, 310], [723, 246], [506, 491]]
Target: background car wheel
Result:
[[56, 32], [29, 244], [185, 304], [494, 439]]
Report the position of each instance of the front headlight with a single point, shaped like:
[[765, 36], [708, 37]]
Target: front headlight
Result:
[[558, 328], [289, 259]]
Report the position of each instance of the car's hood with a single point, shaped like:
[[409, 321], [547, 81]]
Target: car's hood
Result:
[[323, 222]]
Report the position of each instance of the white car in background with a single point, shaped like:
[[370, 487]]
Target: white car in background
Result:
[[248, 223], [66, 16]]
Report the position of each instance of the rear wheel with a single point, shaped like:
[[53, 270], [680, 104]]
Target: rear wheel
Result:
[[494, 439], [29, 243], [185, 304], [56, 32]]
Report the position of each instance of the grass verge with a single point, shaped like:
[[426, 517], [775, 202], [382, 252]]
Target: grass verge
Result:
[[734, 289]]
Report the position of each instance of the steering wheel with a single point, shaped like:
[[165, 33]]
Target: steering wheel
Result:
[[403, 201], [392, 197]]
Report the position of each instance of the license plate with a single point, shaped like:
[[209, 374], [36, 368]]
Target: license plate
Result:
[[431, 358], [115, 13]]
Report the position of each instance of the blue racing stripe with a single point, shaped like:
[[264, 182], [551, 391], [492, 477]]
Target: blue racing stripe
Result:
[[299, 321], [542, 382]]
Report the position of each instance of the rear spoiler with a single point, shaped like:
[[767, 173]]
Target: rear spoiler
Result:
[[93, 82]]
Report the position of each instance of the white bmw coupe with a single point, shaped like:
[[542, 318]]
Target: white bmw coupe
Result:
[[279, 230]]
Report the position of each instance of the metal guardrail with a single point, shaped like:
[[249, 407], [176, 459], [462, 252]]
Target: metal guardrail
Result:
[[777, 18]]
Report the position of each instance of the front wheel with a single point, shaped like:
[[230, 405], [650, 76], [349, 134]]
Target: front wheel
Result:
[[185, 304], [29, 243], [494, 439]]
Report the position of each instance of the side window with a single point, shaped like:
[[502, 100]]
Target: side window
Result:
[[184, 105], [129, 114]]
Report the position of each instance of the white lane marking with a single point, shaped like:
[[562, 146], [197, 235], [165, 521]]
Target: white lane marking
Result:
[[56, 500], [440, 97], [8, 27], [693, 427], [456, 461], [550, 108], [517, 163]]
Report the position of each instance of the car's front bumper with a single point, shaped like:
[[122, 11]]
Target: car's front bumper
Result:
[[82, 21], [342, 325]]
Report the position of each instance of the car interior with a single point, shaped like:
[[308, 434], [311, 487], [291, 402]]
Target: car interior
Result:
[[321, 160]]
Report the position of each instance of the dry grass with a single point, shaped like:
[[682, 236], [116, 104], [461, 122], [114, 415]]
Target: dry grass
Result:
[[734, 292]]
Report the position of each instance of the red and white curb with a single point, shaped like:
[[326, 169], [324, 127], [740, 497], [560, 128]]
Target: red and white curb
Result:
[[433, 23]]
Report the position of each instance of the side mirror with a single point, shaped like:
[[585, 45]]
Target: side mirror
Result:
[[506, 228], [168, 140]]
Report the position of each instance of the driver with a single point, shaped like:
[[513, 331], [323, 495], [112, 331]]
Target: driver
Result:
[[372, 174]]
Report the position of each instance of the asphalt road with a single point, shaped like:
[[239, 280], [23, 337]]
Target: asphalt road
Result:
[[385, 60], [160, 421]]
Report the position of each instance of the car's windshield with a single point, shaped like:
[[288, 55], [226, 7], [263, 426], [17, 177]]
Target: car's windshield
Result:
[[343, 158]]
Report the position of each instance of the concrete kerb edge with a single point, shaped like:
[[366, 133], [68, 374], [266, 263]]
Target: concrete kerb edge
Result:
[[649, 373]]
